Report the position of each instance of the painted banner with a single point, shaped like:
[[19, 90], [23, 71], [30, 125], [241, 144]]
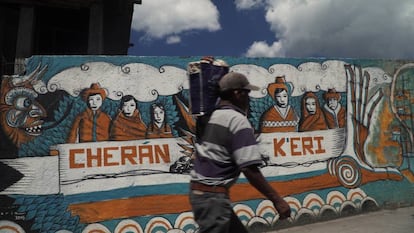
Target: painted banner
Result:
[[91, 167]]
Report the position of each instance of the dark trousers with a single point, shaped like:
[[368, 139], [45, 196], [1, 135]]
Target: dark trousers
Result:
[[214, 213]]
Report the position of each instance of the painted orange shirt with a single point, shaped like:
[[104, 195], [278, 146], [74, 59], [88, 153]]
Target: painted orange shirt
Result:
[[335, 119], [313, 122], [162, 132], [128, 128], [274, 121], [89, 127]]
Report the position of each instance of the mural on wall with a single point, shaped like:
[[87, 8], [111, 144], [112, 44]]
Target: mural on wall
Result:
[[105, 144]]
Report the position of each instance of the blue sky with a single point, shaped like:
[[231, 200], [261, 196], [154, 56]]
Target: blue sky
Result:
[[274, 28]]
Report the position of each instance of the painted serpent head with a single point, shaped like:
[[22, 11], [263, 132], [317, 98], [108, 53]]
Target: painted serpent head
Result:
[[20, 114]]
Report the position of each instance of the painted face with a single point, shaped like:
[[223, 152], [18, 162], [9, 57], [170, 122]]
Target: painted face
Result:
[[21, 115], [95, 102], [282, 99], [310, 104], [129, 107], [159, 115], [26, 114], [332, 103]]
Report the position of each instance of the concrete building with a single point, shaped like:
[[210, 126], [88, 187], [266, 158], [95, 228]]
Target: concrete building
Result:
[[62, 27]]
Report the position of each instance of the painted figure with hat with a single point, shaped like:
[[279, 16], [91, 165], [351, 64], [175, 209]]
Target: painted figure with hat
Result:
[[312, 115], [227, 148], [335, 114], [92, 125], [281, 117]]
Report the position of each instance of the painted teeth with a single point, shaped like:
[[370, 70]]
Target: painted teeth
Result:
[[34, 129]]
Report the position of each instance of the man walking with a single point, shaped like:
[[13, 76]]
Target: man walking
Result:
[[226, 148]]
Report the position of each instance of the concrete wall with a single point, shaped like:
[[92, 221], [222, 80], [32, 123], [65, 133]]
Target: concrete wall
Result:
[[57, 176]]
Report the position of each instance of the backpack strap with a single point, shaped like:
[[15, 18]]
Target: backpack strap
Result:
[[201, 124]]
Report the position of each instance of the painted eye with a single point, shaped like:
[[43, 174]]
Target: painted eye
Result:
[[27, 103], [23, 102]]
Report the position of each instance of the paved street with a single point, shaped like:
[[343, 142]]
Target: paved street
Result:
[[399, 220]]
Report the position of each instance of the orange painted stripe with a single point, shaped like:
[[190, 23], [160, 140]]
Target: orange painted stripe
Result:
[[183, 220], [170, 204], [295, 204], [135, 206], [311, 201], [54, 152], [408, 174], [128, 226], [333, 197], [153, 224], [240, 211], [369, 176], [9, 229], [266, 208]]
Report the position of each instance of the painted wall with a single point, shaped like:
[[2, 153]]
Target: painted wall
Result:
[[341, 144]]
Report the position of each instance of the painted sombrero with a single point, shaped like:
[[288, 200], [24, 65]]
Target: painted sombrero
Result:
[[94, 89], [332, 94]]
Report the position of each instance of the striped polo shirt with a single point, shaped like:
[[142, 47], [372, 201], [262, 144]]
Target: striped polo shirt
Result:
[[227, 145]]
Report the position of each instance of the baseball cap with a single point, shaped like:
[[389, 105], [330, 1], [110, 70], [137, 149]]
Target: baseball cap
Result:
[[234, 80]]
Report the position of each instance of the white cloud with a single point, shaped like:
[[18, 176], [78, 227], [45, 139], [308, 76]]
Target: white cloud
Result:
[[248, 4], [338, 28], [262, 49], [163, 18], [173, 40]]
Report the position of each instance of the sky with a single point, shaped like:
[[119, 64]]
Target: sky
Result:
[[379, 29]]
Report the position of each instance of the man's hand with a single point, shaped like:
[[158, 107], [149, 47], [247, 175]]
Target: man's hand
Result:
[[282, 208], [256, 178]]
